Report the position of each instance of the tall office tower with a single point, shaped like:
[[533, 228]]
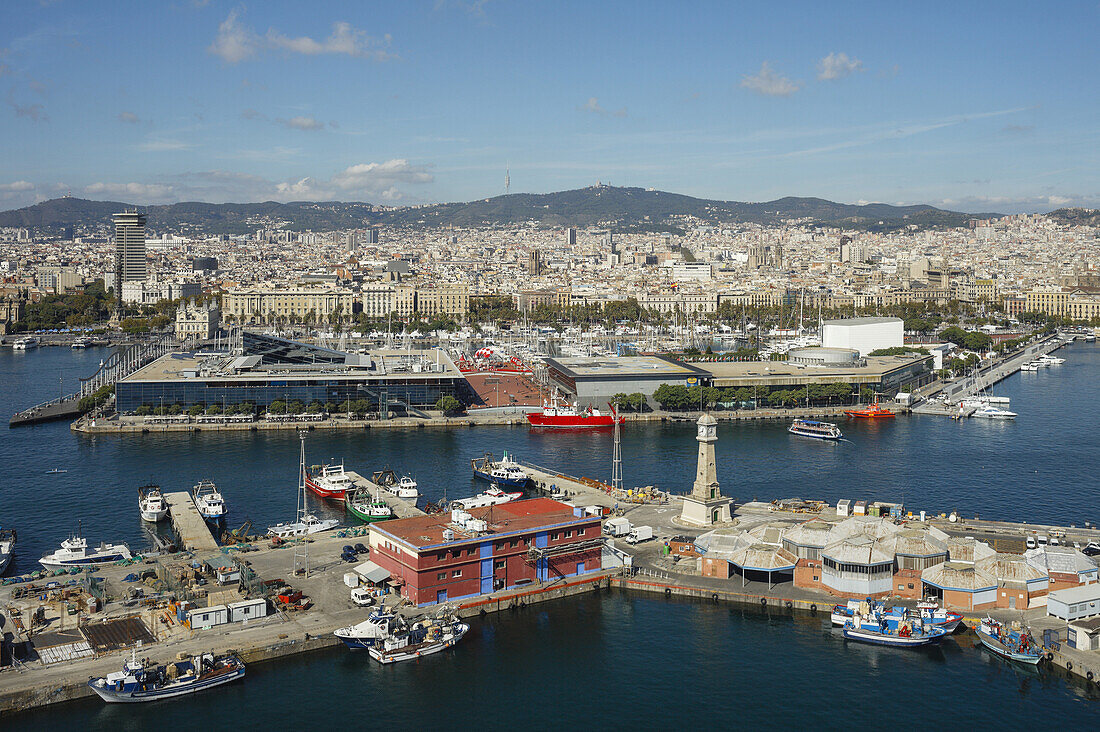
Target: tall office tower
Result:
[[571, 236], [534, 263], [609, 240], [371, 236], [129, 248]]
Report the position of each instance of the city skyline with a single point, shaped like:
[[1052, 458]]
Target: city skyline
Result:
[[434, 102]]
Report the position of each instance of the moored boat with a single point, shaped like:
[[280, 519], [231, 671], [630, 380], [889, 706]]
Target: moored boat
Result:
[[873, 411], [139, 681], [366, 506], [929, 612], [209, 501], [907, 636], [406, 488], [151, 504], [813, 428], [74, 552], [25, 344], [330, 482], [422, 639], [506, 473], [306, 523], [991, 412], [571, 416], [7, 548], [491, 497], [1014, 645], [370, 632]]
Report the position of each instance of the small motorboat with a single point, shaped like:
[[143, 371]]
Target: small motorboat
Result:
[[424, 638], [874, 411], [151, 504], [140, 681], [209, 501], [991, 412], [74, 552], [56, 471], [7, 548], [406, 488], [306, 525]]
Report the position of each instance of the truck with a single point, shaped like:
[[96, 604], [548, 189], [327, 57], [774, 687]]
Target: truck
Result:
[[619, 526], [640, 534]]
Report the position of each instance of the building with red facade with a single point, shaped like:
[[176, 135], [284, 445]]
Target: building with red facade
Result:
[[450, 556]]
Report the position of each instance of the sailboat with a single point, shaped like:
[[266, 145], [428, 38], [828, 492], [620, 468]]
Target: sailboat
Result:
[[306, 522]]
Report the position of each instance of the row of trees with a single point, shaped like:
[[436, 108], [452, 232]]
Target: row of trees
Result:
[[974, 340], [674, 397], [67, 311]]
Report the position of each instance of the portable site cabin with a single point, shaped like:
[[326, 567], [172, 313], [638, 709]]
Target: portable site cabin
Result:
[[844, 507], [245, 610], [204, 618], [1075, 603]]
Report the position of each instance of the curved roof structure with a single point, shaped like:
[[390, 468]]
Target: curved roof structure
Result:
[[813, 533], [959, 576], [1061, 559], [968, 549], [869, 526], [771, 532], [1010, 568], [857, 550], [914, 543], [764, 557]]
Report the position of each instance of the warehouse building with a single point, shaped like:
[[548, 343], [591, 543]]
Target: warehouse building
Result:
[[450, 556], [882, 374], [266, 369], [595, 380]]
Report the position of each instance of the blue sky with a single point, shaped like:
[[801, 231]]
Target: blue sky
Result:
[[972, 106]]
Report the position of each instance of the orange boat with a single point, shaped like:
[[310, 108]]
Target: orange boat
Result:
[[872, 412]]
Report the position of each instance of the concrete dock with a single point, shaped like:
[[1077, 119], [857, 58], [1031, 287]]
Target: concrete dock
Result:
[[193, 532], [401, 508]]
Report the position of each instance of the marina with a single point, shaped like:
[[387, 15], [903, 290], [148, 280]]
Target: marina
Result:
[[575, 456]]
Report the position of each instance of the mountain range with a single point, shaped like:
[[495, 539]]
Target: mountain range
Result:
[[615, 208]]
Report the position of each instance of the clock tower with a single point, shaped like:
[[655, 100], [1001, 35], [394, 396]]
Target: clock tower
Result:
[[705, 505]]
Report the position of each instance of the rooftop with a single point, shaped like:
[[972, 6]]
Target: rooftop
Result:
[[624, 367], [861, 321], [515, 517], [732, 373]]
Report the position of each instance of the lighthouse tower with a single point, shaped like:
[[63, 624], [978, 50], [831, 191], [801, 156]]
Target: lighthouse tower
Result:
[[705, 505]]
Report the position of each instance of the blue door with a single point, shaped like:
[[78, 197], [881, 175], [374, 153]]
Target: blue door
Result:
[[486, 575], [441, 596], [580, 567]]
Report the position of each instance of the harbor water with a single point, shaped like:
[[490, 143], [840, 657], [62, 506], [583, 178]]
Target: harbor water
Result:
[[611, 659]]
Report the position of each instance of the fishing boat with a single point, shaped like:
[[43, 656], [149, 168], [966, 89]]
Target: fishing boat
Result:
[[1015, 645], [140, 681], [330, 482], [491, 497], [813, 428], [74, 552], [929, 612], [370, 632], [874, 411], [25, 344], [306, 523], [424, 638], [506, 473], [366, 506], [7, 548], [151, 504], [405, 487], [908, 635], [209, 501], [566, 416]]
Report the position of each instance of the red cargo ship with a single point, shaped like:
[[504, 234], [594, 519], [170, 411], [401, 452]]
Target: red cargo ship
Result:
[[571, 417]]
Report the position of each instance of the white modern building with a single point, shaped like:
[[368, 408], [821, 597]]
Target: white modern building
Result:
[[863, 334]]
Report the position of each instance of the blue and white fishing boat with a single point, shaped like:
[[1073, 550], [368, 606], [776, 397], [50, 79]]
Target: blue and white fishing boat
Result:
[[929, 612], [138, 681], [903, 630], [370, 632], [506, 474], [424, 638], [1015, 645]]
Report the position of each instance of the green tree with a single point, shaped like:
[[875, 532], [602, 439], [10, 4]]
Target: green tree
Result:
[[448, 405], [295, 407], [195, 410], [277, 407], [214, 409], [143, 410]]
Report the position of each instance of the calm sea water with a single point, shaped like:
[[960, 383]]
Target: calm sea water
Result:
[[611, 660]]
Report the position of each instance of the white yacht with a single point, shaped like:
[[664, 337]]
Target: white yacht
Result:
[[151, 504], [1052, 360], [74, 552], [991, 412], [307, 524], [25, 344], [209, 500], [7, 548]]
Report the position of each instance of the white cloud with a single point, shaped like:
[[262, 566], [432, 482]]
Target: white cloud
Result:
[[769, 83], [837, 66], [162, 145], [128, 117], [593, 105], [134, 192], [302, 123], [17, 186], [236, 42]]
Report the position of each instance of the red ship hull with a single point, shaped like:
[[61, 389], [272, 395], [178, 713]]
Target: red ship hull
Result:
[[337, 495], [572, 422]]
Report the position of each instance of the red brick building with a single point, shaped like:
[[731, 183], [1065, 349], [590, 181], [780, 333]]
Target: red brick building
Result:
[[450, 556]]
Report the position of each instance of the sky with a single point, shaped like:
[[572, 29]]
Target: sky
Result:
[[973, 106]]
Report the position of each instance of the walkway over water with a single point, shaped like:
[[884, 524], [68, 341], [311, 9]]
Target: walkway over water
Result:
[[193, 532]]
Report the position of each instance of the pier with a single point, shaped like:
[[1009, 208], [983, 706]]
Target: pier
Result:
[[191, 528], [400, 507]]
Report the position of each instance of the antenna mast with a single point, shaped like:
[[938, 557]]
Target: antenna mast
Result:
[[301, 547], [616, 455]]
